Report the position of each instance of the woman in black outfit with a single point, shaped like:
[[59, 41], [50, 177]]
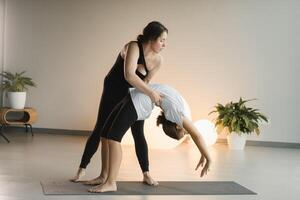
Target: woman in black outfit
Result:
[[136, 64]]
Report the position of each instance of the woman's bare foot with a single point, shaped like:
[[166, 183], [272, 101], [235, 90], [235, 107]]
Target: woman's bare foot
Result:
[[149, 180], [80, 173], [96, 181], [106, 187]]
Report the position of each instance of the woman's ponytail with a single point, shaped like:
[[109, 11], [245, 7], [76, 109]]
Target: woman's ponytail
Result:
[[140, 38]]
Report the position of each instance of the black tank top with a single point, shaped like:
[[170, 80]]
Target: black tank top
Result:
[[116, 74]]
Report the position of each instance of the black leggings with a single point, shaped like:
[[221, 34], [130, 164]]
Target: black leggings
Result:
[[112, 95], [119, 121]]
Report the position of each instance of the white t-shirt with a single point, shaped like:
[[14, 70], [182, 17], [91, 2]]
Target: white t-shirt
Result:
[[173, 104]]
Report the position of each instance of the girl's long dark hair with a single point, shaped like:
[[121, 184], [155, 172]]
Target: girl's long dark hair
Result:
[[168, 127]]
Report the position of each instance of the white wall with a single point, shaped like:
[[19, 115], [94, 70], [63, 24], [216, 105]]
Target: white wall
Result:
[[2, 11], [2, 17], [217, 51]]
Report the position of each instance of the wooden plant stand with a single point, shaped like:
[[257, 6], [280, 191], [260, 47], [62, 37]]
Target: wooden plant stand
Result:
[[29, 116]]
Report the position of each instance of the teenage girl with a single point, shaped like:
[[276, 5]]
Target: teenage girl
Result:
[[135, 66], [138, 106]]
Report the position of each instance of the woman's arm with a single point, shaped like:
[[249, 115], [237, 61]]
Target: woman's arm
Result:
[[152, 72], [131, 59], [200, 143]]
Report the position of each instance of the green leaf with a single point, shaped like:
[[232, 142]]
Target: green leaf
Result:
[[236, 116], [15, 82]]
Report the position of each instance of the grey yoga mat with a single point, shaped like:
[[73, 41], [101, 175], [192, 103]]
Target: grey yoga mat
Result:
[[139, 188]]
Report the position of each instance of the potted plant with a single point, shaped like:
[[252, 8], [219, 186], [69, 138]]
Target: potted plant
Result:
[[16, 85], [239, 120]]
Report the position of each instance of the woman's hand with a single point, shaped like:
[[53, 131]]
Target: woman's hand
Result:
[[203, 164], [156, 97]]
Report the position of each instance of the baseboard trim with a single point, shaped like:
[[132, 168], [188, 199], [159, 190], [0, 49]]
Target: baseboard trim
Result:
[[48, 131], [267, 144], [87, 133]]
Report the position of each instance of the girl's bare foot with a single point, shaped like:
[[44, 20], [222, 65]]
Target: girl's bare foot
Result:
[[149, 180], [106, 187], [80, 173], [96, 181]]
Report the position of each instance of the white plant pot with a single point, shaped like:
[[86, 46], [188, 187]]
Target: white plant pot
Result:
[[236, 142], [17, 99]]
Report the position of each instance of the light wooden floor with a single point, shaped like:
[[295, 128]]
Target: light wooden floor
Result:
[[273, 173]]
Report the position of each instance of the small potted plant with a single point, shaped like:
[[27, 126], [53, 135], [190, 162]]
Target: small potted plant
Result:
[[239, 121], [16, 85]]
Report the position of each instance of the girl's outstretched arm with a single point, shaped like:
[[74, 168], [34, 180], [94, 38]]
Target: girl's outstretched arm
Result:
[[205, 160]]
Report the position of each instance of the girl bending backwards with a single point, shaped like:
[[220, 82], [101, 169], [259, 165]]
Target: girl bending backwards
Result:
[[138, 106]]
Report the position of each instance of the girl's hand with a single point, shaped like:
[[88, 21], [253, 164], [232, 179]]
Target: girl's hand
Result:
[[203, 164]]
